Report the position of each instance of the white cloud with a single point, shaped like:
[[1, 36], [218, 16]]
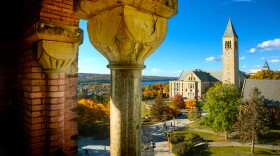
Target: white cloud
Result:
[[242, 58], [213, 59], [270, 44], [270, 57], [156, 70], [274, 60], [241, 0], [259, 65], [244, 66], [252, 50]]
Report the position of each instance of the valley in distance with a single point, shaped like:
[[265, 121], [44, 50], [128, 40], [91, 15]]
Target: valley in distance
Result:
[[86, 78]]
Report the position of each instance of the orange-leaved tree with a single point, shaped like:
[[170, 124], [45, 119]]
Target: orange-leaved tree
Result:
[[90, 113], [190, 103]]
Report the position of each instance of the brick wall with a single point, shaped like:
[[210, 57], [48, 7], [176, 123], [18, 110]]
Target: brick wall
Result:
[[58, 12], [34, 105], [33, 83]]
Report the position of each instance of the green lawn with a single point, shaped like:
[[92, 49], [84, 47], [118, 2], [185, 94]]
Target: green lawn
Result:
[[197, 125], [144, 109], [208, 136], [168, 104], [234, 151]]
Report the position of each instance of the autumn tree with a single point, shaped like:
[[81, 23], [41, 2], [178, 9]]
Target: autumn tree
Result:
[[190, 103], [221, 103], [158, 108], [253, 119], [160, 111], [91, 114], [266, 74], [178, 102]]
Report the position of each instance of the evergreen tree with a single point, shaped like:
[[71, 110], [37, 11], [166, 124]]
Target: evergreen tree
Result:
[[158, 108], [253, 119]]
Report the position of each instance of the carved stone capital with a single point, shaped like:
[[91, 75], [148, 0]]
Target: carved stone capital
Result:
[[126, 32], [57, 45], [56, 56], [86, 9], [125, 35]]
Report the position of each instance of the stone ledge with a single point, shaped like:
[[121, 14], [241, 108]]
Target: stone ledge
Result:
[[51, 32]]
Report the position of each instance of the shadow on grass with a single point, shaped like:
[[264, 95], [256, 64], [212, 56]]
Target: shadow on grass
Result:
[[270, 138], [261, 152], [202, 151]]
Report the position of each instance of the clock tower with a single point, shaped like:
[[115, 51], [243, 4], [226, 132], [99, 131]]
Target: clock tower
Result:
[[230, 56]]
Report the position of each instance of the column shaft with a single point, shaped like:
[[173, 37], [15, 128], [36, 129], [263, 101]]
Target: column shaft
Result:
[[125, 118]]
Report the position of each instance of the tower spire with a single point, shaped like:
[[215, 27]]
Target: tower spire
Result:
[[230, 31]]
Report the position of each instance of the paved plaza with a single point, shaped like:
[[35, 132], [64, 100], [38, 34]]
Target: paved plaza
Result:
[[156, 133]]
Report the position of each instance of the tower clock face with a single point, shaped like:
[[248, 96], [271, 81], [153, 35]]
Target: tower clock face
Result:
[[227, 53]]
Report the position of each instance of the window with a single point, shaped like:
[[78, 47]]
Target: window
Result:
[[228, 44]]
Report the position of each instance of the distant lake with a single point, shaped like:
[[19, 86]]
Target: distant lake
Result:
[[147, 83]]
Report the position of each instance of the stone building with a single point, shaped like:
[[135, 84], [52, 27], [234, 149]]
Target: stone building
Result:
[[39, 42], [194, 84]]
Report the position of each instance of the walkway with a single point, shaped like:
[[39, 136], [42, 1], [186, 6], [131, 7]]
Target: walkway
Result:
[[155, 132]]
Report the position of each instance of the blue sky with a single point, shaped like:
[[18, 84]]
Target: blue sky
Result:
[[194, 38]]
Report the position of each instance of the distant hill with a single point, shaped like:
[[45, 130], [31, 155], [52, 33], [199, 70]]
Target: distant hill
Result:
[[88, 77]]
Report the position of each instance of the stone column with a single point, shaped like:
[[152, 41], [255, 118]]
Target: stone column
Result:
[[126, 32], [125, 115]]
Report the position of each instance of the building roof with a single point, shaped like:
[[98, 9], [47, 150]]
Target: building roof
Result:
[[270, 89], [230, 31], [203, 75], [184, 75]]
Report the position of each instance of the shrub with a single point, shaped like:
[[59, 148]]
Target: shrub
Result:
[[183, 148], [176, 138], [195, 138]]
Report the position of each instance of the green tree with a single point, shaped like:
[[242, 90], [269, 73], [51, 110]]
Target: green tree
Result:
[[178, 102], [253, 119], [193, 114], [176, 138], [221, 103]]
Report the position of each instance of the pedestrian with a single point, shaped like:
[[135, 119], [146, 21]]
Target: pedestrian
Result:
[[86, 151]]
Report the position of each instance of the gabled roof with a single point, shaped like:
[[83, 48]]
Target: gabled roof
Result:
[[184, 75], [230, 31], [270, 89], [205, 76]]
